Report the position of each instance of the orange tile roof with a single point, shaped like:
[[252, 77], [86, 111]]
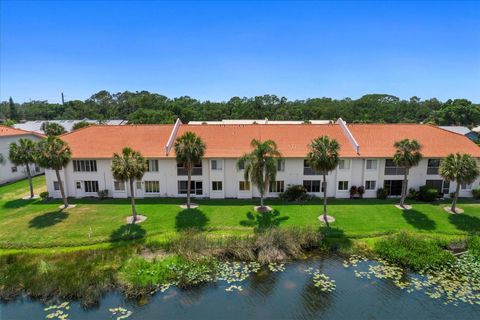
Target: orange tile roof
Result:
[[232, 141], [376, 140], [9, 131], [102, 141]]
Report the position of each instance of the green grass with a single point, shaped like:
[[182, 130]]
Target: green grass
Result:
[[35, 224]]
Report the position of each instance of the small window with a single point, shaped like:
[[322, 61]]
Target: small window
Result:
[[91, 186], [78, 185], [37, 169], [14, 169], [56, 185], [241, 165], [152, 165], [280, 165], [466, 186], [277, 186], [139, 185], [342, 185], [217, 185], [313, 185], [244, 185], [216, 165], [344, 164], [433, 166], [370, 185], [371, 164], [152, 186], [119, 185]]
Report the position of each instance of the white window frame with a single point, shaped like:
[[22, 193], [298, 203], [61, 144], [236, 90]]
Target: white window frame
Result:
[[246, 186], [344, 164], [217, 183], [370, 188], [56, 185], [91, 186], [138, 185], [465, 186], [154, 184], [152, 165], [218, 165], [371, 161], [343, 182], [280, 165], [278, 186], [117, 183]]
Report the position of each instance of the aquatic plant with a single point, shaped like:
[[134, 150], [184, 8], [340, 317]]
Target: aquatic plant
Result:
[[120, 313], [58, 311]]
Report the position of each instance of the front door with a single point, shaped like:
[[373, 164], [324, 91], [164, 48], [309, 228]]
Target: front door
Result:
[[393, 187]]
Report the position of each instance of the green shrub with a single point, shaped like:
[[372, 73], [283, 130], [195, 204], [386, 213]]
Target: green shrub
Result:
[[44, 195], [415, 252], [295, 193], [102, 194], [476, 193], [412, 194], [382, 193], [427, 193]]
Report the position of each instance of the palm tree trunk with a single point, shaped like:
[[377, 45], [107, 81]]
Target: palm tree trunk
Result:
[[30, 181], [404, 189], [132, 200], [261, 200], [324, 184], [62, 191], [454, 203], [189, 186]]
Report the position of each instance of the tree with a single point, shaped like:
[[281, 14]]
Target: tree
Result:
[[54, 153], [407, 155], [323, 157], [52, 129], [23, 154], [460, 168], [261, 165], [81, 124], [189, 150], [12, 110], [128, 166]]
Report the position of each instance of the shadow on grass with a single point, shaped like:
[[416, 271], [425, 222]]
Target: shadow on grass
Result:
[[465, 222], [18, 203], [47, 219], [263, 221], [128, 232], [418, 220], [190, 219], [335, 238]]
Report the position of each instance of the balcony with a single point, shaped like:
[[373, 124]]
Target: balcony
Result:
[[197, 171], [307, 171], [432, 170], [394, 171]]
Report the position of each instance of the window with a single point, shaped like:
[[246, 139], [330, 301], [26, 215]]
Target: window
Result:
[[466, 186], [307, 171], [244, 185], [280, 165], [312, 185], [196, 187], [441, 185], [37, 169], [119, 185], [14, 169], [392, 169], [152, 165], [372, 164], [78, 185], [217, 186], [91, 186], [433, 166], [370, 185], [56, 185], [343, 185], [196, 171], [344, 164], [277, 186], [216, 164], [152, 187], [241, 165], [139, 185], [85, 165]]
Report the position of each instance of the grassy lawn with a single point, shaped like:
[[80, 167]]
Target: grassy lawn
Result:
[[32, 223]]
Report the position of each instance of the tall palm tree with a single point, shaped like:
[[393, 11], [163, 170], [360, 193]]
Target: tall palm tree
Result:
[[23, 154], [460, 168], [128, 166], [323, 157], [54, 153], [407, 155], [261, 165], [189, 150]]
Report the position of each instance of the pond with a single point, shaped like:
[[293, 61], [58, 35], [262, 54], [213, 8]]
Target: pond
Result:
[[357, 291]]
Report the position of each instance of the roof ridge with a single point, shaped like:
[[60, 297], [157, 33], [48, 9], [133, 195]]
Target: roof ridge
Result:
[[22, 130]]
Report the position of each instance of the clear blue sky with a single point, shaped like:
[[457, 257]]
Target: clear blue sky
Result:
[[216, 50]]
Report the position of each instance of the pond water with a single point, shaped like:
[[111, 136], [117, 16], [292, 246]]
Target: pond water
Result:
[[281, 294]]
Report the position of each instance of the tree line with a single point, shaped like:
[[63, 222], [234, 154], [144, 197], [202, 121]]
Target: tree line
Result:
[[148, 108]]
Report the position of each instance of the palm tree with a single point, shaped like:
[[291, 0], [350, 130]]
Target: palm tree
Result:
[[53, 153], [461, 168], [189, 150], [323, 157], [23, 154], [128, 166], [407, 155], [261, 165]]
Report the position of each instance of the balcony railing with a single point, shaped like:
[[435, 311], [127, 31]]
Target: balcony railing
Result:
[[432, 170], [307, 171], [195, 172], [394, 171]]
